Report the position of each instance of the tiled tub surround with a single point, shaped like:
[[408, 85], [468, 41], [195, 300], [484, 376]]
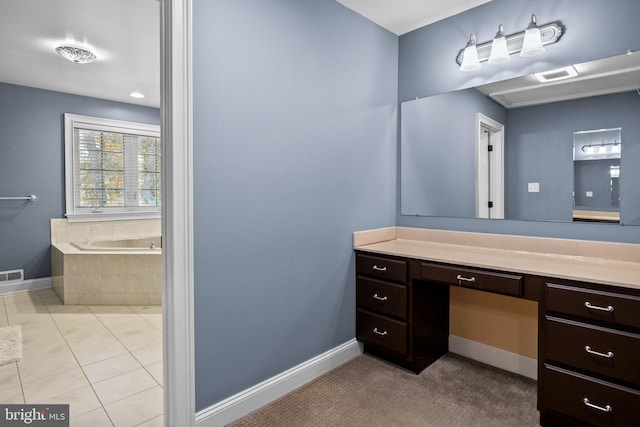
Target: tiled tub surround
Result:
[[83, 274]]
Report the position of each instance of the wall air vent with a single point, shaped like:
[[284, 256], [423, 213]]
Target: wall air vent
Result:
[[11, 276]]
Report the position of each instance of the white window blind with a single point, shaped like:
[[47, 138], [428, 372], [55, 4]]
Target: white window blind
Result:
[[115, 166]]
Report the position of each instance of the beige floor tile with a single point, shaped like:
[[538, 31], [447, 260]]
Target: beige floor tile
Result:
[[101, 345], [146, 309], [80, 327], [9, 377], [49, 297], [12, 395], [33, 339], [155, 370], [136, 409], [137, 334], [113, 367], [155, 422], [96, 418], [33, 322], [39, 389], [80, 401], [4, 321], [149, 355], [123, 386], [44, 360]]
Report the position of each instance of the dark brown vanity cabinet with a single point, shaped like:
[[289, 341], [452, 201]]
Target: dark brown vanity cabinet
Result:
[[590, 355], [588, 334], [397, 319]]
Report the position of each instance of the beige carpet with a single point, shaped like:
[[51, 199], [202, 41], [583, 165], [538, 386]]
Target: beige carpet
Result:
[[452, 392], [10, 344]]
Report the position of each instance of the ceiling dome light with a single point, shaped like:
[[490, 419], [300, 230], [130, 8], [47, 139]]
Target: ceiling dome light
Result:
[[136, 95], [76, 54]]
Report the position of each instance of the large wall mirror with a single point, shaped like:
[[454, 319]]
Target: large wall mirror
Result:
[[506, 149]]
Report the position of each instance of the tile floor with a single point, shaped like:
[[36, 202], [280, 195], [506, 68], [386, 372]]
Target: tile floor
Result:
[[104, 361]]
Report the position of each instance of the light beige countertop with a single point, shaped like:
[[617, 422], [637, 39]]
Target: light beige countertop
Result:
[[597, 262]]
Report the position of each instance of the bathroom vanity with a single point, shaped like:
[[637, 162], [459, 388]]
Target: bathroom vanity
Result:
[[588, 296]]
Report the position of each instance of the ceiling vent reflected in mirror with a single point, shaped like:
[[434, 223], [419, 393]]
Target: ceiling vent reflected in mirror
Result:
[[600, 77]]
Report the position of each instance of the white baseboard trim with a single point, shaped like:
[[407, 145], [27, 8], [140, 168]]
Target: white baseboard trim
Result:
[[26, 285], [494, 356], [247, 401]]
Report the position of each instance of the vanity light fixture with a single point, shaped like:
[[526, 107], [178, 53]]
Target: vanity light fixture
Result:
[[76, 54], [529, 42], [499, 52], [601, 148], [470, 60]]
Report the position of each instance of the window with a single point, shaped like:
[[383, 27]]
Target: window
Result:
[[112, 169]]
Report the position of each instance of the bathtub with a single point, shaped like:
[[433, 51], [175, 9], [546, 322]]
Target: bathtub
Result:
[[153, 244], [108, 272]]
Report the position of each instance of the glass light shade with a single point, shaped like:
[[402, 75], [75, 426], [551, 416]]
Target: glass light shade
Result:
[[616, 148], [470, 60], [499, 52], [532, 44]]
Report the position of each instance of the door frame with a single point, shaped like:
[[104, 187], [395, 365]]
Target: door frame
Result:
[[496, 178], [177, 213]]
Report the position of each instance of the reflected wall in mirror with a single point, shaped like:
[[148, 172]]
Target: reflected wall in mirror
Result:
[[596, 175], [439, 142]]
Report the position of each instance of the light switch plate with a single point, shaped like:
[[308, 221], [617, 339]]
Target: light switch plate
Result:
[[534, 187]]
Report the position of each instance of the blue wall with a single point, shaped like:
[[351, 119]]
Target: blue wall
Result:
[[32, 162], [427, 66], [438, 152], [540, 149], [295, 133]]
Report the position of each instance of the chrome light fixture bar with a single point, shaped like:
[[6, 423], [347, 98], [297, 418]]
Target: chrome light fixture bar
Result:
[[549, 34]]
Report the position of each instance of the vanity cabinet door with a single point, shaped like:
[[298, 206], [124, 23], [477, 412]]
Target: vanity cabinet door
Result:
[[383, 268], [501, 283], [611, 307], [382, 332], [383, 297], [607, 352], [590, 400]]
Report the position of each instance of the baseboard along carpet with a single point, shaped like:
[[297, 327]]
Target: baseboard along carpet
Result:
[[366, 391], [10, 344]]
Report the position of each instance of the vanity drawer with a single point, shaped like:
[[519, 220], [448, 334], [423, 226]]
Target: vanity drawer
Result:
[[508, 284], [382, 332], [590, 400], [615, 308], [384, 268], [600, 350], [383, 297]]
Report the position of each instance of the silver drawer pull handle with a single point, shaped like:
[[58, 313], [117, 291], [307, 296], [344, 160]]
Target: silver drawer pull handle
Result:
[[607, 408], [375, 296], [608, 309], [376, 268], [608, 354], [376, 331], [465, 279]]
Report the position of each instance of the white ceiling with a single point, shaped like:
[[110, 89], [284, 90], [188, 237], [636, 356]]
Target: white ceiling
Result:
[[124, 34], [402, 16]]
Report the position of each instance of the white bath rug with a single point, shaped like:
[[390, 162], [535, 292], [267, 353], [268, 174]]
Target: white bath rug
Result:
[[10, 344]]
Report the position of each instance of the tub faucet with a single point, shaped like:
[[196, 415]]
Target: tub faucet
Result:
[[152, 244]]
